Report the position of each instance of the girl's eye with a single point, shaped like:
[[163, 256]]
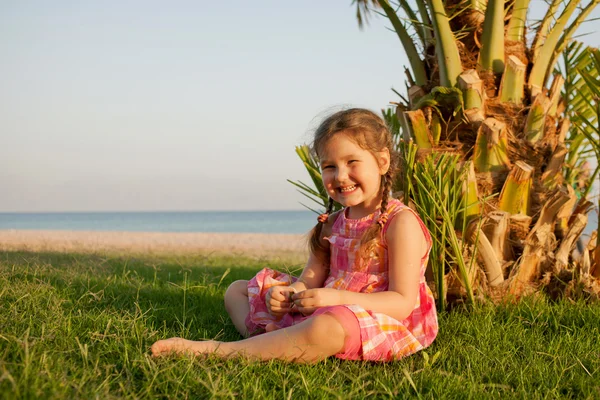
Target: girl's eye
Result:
[[328, 167], [352, 161]]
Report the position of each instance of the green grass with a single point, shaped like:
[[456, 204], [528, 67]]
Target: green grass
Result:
[[80, 326]]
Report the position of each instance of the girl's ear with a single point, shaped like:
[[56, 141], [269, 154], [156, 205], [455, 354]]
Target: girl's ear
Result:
[[384, 161]]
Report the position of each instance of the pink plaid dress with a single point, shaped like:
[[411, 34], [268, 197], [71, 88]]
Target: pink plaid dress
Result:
[[382, 337]]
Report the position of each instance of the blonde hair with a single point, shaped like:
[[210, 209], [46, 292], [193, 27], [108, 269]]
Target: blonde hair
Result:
[[371, 133]]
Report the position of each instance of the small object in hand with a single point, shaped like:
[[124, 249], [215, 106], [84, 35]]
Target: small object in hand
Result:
[[290, 298]]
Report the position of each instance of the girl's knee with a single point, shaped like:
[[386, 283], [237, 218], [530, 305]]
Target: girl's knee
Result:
[[325, 329], [239, 286], [236, 290]]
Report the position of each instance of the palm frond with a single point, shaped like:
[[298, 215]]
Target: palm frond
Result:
[[581, 68], [363, 10]]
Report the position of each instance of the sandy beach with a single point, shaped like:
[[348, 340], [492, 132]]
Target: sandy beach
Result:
[[250, 244]]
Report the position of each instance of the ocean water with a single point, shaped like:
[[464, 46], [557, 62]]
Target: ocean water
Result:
[[200, 221], [197, 221], [592, 224]]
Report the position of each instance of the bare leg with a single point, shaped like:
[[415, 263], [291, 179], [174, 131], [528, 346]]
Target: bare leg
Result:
[[237, 306], [312, 340]]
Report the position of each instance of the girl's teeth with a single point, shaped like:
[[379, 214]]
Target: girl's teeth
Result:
[[348, 189]]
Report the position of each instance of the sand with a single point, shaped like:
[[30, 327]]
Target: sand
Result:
[[250, 244]]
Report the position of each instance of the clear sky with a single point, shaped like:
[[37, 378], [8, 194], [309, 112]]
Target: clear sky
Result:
[[180, 105]]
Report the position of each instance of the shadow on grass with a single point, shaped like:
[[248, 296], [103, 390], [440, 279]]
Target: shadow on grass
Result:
[[165, 268], [173, 293]]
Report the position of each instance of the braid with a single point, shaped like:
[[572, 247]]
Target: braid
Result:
[[387, 187], [314, 240], [371, 238], [329, 206]]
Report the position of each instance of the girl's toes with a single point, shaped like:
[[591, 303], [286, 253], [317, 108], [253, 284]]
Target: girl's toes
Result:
[[166, 346], [181, 346], [157, 348]]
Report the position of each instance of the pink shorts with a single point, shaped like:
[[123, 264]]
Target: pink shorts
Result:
[[353, 344]]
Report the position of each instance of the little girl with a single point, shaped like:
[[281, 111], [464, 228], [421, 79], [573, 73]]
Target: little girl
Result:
[[362, 294]]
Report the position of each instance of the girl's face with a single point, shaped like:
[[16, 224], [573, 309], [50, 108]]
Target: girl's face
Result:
[[352, 175]]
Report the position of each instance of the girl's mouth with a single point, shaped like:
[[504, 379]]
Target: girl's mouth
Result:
[[347, 189]]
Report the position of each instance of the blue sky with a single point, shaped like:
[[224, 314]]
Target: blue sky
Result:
[[153, 105]]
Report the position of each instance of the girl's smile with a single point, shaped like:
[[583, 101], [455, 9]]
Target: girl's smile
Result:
[[347, 189]]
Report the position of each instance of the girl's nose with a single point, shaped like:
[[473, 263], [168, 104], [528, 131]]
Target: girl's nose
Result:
[[341, 175]]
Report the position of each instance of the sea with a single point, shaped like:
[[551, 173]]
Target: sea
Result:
[[173, 221], [293, 222]]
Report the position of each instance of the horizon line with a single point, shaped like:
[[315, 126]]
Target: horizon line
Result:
[[146, 211]]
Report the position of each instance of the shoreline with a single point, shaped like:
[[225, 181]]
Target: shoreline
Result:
[[189, 243]]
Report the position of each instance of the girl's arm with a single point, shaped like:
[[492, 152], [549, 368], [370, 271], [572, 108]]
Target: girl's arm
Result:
[[313, 275], [406, 246], [317, 267]]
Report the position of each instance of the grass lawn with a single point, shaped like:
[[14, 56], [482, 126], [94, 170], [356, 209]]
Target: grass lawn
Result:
[[80, 326]]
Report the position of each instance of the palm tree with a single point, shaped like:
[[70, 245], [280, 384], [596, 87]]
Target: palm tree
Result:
[[491, 154]]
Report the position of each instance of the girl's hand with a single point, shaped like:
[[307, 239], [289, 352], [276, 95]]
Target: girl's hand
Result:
[[308, 301], [278, 300]]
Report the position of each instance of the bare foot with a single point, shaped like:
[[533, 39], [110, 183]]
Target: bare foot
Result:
[[180, 346]]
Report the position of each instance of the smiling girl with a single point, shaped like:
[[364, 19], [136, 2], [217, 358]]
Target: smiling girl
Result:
[[362, 294]]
